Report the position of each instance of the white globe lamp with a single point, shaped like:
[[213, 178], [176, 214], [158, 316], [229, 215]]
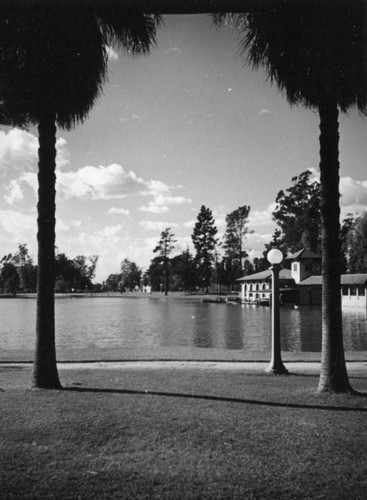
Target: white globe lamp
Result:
[[275, 256]]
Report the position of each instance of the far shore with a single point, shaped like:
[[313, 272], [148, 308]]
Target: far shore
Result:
[[126, 295]]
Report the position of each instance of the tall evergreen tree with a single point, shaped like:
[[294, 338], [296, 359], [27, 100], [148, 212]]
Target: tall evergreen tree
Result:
[[164, 248], [53, 62], [204, 240], [234, 241]]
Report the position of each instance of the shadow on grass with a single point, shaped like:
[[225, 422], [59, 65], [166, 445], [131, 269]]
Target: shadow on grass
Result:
[[219, 398]]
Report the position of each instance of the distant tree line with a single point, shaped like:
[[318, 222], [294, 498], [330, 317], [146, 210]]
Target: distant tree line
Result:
[[127, 280], [216, 265], [18, 273], [213, 266]]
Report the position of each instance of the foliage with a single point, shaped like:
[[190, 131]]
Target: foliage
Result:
[[10, 278], [183, 272], [130, 275], [297, 214], [235, 253], [357, 245], [26, 271], [262, 263], [346, 228], [164, 248], [113, 282], [203, 238], [75, 274], [155, 273], [73, 41]]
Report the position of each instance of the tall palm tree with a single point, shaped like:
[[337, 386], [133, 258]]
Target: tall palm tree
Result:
[[53, 63], [316, 53]]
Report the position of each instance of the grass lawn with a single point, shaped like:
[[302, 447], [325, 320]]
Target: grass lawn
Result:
[[180, 434]]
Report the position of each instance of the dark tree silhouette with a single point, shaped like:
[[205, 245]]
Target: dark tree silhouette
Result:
[[204, 240], [53, 63], [164, 248], [316, 53]]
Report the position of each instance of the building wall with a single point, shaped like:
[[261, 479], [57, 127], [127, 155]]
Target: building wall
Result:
[[354, 296], [310, 296], [303, 269], [255, 290]]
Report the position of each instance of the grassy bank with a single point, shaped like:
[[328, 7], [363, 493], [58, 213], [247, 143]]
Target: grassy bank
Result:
[[180, 434]]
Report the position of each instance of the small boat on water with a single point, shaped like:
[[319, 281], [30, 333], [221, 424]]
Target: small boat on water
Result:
[[217, 300]]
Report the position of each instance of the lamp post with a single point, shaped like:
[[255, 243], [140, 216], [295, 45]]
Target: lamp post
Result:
[[275, 257]]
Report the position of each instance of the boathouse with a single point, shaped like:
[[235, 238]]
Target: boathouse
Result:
[[256, 288], [300, 283], [353, 289]]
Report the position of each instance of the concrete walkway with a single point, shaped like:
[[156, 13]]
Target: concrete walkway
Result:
[[176, 353], [294, 368]]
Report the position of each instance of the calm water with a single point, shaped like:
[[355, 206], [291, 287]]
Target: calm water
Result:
[[127, 322]]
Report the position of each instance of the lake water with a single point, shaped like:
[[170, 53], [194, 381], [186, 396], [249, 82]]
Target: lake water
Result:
[[122, 322]]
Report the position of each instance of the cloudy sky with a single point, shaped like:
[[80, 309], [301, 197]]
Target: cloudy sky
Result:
[[186, 126]]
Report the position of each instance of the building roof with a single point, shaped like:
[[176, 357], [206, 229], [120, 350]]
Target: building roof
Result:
[[353, 279], [311, 281], [284, 274], [345, 279], [304, 254]]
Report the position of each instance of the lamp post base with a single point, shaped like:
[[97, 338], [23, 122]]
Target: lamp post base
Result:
[[278, 369]]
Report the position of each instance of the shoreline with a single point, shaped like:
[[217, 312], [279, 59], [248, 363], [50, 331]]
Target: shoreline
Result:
[[294, 367]]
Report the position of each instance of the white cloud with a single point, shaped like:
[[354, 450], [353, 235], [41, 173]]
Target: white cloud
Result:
[[262, 217], [171, 200], [154, 209], [353, 193], [189, 224], [99, 183], [119, 211], [76, 222], [13, 192], [156, 225], [157, 188], [110, 231], [62, 226], [19, 151], [17, 227]]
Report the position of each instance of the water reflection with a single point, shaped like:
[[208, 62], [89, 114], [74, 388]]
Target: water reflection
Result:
[[115, 322], [355, 330], [301, 329]]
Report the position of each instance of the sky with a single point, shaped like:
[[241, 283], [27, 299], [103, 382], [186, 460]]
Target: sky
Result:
[[188, 125]]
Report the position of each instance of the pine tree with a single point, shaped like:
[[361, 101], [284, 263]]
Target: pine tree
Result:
[[204, 241], [164, 248]]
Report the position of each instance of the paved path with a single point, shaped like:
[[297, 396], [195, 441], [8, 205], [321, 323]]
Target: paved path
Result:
[[152, 353], [296, 368]]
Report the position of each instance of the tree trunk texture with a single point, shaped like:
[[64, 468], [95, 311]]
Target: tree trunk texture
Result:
[[45, 373], [333, 374]]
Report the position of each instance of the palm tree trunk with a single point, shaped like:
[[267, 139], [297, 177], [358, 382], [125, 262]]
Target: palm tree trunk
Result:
[[333, 374], [45, 373]]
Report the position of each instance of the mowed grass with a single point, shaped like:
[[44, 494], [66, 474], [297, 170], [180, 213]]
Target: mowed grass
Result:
[[180, 434]]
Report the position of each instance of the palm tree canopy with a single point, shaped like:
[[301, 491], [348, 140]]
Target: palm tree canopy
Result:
[[314, 51], [53, 57]]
